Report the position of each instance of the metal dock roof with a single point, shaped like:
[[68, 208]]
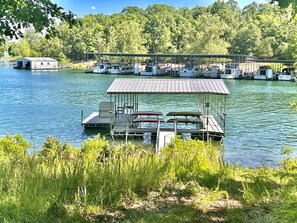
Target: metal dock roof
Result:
[[168, 86]]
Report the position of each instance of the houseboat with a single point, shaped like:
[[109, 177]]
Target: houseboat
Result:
[[287, 74], [153, 69], [121, 69], [189, 71], [264, 73], [210, 72], [102, 68], [232, 71]]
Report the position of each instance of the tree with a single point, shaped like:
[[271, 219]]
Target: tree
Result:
[[158, 34], [285, 3], [291, 51], [247, 40], [20, 14], [230, 13], [208, 36], [125, 35]]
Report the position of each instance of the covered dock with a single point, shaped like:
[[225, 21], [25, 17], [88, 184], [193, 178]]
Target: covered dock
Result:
[[206, 114], [204, 118]]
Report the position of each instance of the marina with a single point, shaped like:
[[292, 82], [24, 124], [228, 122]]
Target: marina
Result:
[[229, 66]]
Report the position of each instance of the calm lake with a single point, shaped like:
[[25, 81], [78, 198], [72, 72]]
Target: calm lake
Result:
[[40, 103]]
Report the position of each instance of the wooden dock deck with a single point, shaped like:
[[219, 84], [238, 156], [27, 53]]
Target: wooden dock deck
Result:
[[95, 121], [211, 125]]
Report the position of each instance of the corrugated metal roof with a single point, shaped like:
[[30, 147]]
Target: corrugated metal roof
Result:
[[42, 59], [168, 86]]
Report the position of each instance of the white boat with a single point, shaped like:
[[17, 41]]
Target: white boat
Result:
[[102, 68], [153, 69], [287, 74], [232, 71], [211, 72], [121, 69], [264, 73], [189, 71]]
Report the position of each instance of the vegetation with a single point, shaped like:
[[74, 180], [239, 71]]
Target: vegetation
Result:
[[99, 182], [21, 14], [262, 30]]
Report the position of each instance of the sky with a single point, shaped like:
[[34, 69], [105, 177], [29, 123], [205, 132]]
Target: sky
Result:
[[108, 7]]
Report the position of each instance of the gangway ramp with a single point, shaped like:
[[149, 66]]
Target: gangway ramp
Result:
[[163, 138]]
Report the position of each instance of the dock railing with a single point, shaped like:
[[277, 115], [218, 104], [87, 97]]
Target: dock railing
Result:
[[218, 115]]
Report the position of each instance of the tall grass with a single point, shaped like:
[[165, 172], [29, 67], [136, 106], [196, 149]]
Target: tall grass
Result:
[[64, 183]]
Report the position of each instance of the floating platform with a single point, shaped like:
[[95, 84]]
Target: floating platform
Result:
[[93, 121]]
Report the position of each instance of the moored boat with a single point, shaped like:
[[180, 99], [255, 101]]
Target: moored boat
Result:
[[264, 73], [102, 68], [121, 69], [287, 74], [153, 69], [189, 71], [232, 71]]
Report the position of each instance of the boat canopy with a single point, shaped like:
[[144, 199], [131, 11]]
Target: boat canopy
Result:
[[168, 86]]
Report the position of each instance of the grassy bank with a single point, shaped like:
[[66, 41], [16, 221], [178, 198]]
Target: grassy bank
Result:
[[187, 182]]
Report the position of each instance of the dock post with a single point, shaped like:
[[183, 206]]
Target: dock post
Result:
[[207, 120], [127, 134]]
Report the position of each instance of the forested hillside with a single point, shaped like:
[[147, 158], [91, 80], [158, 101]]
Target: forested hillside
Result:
[[261, 30]]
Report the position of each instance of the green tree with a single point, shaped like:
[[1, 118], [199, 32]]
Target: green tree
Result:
[[229, 13], [160, 28], [286, 3], [20, 49], [247, 40], [198, 11], [208, 35], [20, 14], [274, 23], [2, 49], [291, 50], [53, 48], [125, 34], [158, 34]]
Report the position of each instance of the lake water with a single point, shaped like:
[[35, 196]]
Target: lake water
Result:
[[40, 103]]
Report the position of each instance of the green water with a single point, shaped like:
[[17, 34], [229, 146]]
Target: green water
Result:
[[37, 104]]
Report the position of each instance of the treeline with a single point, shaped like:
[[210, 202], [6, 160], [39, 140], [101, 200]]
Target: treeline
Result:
[[261, 30]]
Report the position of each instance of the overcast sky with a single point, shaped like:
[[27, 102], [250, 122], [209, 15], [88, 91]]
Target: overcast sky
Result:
[[83, 7]]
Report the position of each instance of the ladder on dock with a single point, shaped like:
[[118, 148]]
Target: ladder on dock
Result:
[[163, 137]]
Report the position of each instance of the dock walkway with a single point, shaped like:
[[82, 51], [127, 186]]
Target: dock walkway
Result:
[[164, 138], [211, 127]]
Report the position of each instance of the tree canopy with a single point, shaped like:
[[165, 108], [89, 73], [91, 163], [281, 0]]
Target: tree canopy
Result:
[[16, 15]]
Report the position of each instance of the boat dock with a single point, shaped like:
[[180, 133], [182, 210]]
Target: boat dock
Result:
[[124, 118], [228, 66]]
